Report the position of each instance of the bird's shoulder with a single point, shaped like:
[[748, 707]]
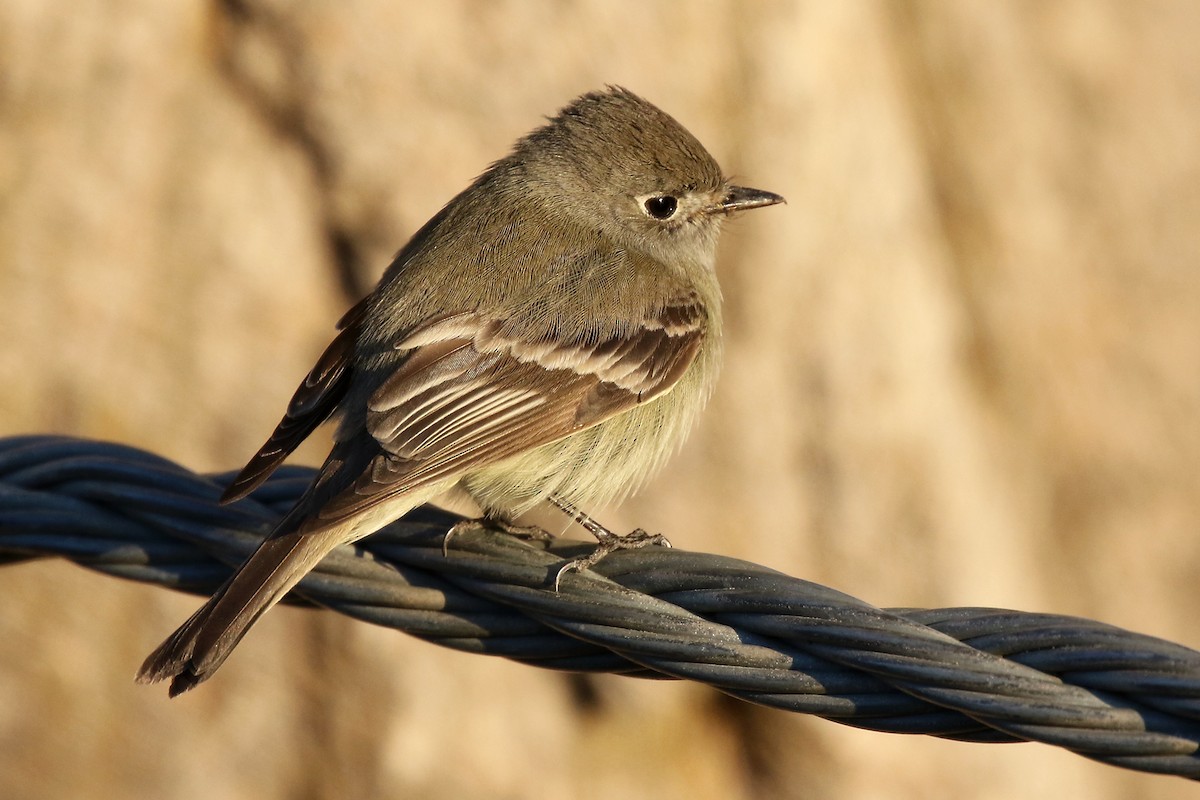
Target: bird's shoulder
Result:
[[535, 275]]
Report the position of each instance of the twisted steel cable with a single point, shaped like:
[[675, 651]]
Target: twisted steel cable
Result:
[[973, 674]]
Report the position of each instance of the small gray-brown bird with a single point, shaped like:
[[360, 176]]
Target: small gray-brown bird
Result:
[[550, 335]]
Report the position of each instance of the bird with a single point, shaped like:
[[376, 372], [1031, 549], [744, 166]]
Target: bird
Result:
[[549, 336]]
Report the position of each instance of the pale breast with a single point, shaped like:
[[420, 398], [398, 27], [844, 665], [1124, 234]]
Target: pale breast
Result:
[[609, 461]]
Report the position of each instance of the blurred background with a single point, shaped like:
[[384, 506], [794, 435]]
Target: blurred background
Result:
[[963, 362]]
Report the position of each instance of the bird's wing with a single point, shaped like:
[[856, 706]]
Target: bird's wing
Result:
[[316, 398], [468, 394], [465, 395]]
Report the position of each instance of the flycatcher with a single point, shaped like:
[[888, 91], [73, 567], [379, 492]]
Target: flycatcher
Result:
[[549, 336]]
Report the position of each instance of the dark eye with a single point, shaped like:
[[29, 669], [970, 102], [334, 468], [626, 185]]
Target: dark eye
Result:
[[661, 206]]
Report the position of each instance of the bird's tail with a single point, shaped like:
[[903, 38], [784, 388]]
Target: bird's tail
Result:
[[199, 646]]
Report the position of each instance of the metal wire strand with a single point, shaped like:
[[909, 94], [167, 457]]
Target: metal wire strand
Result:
[[974, 674]]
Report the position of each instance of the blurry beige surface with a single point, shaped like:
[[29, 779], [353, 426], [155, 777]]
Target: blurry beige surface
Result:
[[963, 363]]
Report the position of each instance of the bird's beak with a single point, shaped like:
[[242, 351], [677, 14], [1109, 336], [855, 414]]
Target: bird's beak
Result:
[[740, 198]]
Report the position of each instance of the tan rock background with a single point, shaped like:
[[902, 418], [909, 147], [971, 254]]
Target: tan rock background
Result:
[[963, 368]]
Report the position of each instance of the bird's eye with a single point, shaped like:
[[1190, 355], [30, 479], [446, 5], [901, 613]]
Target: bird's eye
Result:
[[661, 206]]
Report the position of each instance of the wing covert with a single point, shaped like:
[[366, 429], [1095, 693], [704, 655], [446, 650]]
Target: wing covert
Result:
[[468, 395]]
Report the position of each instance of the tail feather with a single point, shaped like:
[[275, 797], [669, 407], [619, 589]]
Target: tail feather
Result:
[[197, 648], [304, 536]]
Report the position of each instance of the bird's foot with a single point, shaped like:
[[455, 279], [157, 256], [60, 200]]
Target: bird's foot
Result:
[[528, 532], [610, 542]]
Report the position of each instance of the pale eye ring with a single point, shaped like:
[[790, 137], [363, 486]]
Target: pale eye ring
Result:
[[661, 206]]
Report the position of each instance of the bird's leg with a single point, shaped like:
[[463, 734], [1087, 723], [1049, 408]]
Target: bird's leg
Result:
[[609, 541], [495, 522]]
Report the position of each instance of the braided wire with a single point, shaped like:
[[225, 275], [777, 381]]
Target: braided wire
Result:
[[973, 674]]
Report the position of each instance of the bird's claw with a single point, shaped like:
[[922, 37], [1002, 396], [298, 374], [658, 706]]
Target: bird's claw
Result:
[[528, 532], [610, 543]]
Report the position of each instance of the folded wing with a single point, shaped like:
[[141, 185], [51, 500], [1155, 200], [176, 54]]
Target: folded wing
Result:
[[469, 395]]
